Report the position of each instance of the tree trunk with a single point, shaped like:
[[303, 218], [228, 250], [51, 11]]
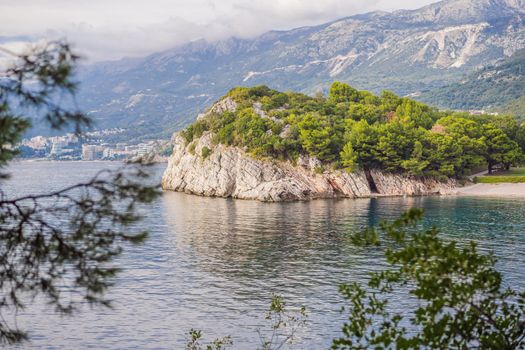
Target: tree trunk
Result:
[[490, 168]]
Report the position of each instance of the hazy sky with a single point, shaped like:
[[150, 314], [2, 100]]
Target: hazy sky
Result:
[[111, 29]]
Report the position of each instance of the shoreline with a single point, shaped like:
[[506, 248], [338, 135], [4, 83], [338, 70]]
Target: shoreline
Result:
[[516, 190], [502, 190], [498, 190], [46, 160]]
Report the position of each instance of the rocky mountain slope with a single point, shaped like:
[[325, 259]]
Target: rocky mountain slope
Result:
[[499, 87], [405, 51]]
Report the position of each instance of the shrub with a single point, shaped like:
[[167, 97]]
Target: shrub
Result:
[[205, 152]]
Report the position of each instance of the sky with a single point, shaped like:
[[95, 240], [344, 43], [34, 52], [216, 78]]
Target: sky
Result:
[[113, 29]]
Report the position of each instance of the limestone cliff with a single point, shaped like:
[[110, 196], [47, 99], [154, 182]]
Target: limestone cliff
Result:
[[230, 172]]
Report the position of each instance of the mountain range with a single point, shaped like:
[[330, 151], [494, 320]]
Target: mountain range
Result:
[[406, 51]]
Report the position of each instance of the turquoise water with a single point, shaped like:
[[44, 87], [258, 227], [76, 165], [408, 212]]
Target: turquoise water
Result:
[[213, 264]]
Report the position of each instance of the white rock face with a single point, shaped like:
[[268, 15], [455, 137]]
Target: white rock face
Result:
[[397, 185], [451, 46], [230, 172], [224, 105]]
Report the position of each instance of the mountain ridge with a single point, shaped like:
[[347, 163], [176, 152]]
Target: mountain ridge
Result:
[[405, 51]]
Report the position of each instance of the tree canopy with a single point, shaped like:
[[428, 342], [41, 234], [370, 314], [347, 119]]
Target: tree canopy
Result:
[[354, 129]]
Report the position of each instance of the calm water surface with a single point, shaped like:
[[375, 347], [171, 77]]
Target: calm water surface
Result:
[[213, 264]]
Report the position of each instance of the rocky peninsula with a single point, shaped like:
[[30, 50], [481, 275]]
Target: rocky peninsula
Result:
[[230, 172], [258, 143]]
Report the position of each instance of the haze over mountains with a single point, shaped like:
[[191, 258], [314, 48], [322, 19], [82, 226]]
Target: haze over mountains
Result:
[[404, 51]]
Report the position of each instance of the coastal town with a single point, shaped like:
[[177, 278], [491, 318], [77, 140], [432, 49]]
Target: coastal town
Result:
[[92, 146]]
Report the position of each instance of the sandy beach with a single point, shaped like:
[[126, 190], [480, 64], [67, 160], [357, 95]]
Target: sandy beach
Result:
[[494, 190]]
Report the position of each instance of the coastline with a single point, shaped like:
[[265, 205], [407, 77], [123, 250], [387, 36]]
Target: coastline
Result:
[[39, 160], [493, 190], [502, 190]]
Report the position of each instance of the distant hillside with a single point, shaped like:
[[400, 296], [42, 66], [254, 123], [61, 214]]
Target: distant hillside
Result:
[[515, 107], [403, 51], [500, 87]]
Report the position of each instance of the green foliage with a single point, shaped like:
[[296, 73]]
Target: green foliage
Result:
[[415, 165], [514, 107], [363, 138], [396, 143], [315, 135], [340, 93], [499, 179], [247, 96], [369, 112], [187, 134], [443, 154], [355, 129], [389, 101], [12, 128], [195, 337], [59, 246], [500, 148], [459, 300], [205, 152], [416, 112], [349, 157]]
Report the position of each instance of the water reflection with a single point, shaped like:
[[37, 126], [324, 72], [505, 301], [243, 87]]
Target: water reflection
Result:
[[301, 250], [213, 264], [244, 236], [240, 252]]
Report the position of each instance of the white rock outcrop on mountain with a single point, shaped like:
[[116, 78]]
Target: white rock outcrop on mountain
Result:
[[230, 172]]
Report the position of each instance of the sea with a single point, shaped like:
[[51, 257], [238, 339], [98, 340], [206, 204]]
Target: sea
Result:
[[213, 264]]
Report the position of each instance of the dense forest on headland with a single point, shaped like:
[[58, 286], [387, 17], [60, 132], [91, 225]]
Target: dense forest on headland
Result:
[[354, 129]]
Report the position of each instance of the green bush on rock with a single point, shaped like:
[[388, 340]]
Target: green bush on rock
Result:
[[205, 152]]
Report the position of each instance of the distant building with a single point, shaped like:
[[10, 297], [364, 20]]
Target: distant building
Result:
[[131, 149], [57, 147], [91, 152], [71, 138], [481, 111], [144, 149], [108, 153], [37, 142], [120, 146], [71, 147]]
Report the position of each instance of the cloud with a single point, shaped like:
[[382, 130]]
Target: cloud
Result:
[[112, 29]]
